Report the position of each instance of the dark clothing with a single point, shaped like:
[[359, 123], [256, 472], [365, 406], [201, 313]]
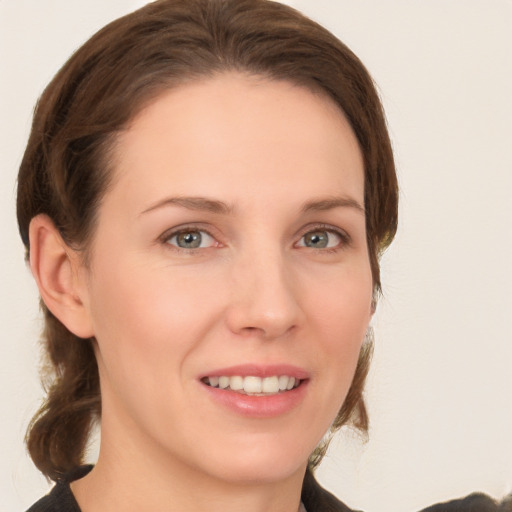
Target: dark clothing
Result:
[[476, 502], [61, 499], [317, 499], [314, 497]]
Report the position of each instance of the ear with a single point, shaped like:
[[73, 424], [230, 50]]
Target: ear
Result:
[[373, 309], [59, 275], [373, 306]]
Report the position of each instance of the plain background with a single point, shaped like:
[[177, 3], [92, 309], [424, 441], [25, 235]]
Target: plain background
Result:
[[440, 391]]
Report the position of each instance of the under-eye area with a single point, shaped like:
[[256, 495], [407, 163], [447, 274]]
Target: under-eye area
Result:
[[253, 385]]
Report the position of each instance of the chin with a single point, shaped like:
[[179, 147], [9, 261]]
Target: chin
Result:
[[260, 474], [261, 463]]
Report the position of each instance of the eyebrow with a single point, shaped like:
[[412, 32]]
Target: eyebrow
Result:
[[330, 203], [193, 203], [219, 207]]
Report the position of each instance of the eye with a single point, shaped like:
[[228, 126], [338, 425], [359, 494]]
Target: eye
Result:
[[322, 239], [191, 239]]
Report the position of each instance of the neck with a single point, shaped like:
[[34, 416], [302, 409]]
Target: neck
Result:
[[131, 478]]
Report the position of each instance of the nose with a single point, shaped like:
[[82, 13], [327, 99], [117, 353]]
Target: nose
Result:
[[264, 297]]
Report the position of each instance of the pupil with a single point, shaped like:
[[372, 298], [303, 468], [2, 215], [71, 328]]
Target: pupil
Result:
[[189, 240], [316, 239]]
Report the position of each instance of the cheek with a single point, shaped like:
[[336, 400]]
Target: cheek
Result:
[[341, 307], [153, 316], [341, 315], [146, 327]]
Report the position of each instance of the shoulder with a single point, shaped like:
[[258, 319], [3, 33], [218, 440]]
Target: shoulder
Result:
[[60, 498], [476, 502], [317, 499]]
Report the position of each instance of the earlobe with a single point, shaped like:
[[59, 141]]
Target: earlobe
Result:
[[373, 309], [55, 267]]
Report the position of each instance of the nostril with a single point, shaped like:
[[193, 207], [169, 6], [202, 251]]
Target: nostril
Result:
[[253, 331]]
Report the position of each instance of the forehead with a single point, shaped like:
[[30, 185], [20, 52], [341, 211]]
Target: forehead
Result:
[[247, 130]]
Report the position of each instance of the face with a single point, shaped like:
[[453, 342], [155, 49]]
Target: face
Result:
[[229, 287]]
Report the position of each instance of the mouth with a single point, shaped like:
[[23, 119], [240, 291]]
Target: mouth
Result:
[[253, 385], [257, 391]]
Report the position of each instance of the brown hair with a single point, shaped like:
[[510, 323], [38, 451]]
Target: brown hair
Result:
[[65, 168]]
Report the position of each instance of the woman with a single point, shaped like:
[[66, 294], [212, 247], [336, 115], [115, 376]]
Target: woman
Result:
[[204, 197]]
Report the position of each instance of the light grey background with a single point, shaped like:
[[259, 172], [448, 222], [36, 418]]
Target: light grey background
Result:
[[440, 391]]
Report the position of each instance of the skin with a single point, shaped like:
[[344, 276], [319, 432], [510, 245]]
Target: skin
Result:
[[255, 291]]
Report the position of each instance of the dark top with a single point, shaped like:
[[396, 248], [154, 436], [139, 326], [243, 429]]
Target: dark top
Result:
[[476, 502], [61, 499], [314, 497]]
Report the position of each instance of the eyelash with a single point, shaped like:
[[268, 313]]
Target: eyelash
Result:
[[344, 237], [169, 235]]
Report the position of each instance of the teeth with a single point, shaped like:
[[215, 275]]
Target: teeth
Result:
[[236, 383], [270, 385], [252, 385], [223, 382]]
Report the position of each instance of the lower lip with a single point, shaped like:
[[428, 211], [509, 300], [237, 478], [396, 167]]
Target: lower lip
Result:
[[268, 406]]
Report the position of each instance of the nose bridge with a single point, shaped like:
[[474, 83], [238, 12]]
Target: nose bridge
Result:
[[264, 296]]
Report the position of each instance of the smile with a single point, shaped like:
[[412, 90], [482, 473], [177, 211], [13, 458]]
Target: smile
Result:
[[253, 385]]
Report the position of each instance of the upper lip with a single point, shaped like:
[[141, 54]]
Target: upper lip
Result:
[[256, 370]]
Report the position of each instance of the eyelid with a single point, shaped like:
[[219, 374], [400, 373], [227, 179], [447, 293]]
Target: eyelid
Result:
[[172, 232], [345, 237]]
